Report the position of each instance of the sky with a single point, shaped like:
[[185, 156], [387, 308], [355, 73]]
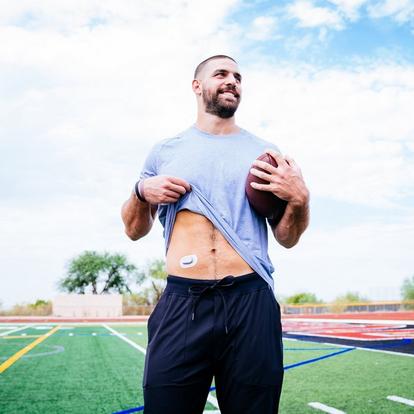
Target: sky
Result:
[[88, 87]]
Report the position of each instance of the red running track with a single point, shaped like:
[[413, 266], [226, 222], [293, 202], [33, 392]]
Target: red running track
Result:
[[393, 316]]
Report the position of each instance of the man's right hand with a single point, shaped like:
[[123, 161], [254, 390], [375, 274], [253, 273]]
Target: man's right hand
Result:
[[163, 189]]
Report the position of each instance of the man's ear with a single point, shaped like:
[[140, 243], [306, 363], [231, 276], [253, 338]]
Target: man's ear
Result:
[[196, 84]]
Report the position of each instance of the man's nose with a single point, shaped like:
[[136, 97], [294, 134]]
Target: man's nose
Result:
[[230, 80]]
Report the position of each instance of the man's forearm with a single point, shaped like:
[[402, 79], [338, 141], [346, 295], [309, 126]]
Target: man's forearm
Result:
[[293, 223], [137, 217]]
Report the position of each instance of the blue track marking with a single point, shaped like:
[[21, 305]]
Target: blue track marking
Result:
[[131, 410], [308, 361]]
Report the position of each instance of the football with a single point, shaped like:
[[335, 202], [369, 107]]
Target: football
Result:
[[265, 202]]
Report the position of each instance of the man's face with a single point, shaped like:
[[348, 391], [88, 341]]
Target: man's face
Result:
[[221, 87]]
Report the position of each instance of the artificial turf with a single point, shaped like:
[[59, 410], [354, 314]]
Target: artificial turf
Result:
[[86, 369], [355, 382], [94, 374]]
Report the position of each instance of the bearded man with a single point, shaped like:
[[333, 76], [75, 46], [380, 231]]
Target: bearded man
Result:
[[218, 316]]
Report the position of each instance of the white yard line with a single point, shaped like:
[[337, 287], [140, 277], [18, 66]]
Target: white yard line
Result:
[[325, 408], [401, 400], [14, 330], [128, 341]]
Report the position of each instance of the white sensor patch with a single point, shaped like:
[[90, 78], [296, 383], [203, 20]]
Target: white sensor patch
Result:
[[188, 261]]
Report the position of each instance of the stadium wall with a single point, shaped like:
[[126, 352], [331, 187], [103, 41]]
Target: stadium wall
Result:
[[81, 306]]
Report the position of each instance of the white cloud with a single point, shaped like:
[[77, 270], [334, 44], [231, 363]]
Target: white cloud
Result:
[[349, 8], [38, 242], [85, 99], [262, 28], [81, 107], [401, 10], [346, 128], [310, 15], [371, 258]]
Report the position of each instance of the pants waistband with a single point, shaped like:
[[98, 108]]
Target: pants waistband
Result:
[[243, 283], [197, 288]]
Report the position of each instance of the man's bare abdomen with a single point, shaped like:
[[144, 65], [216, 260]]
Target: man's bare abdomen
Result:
[[198, 250]]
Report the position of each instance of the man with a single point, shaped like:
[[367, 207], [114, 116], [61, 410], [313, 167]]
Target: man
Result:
[[218, 315]]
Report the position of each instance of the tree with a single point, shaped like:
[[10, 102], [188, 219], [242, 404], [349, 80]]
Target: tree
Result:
[[156, 275], [340, 304], [407, 289], [351, 297], [99, 273], [302, 298]]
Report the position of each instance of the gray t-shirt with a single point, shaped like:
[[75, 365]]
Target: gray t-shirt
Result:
[[216, 167]]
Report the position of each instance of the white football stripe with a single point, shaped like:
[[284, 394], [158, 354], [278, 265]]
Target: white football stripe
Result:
[[128, 341], [325, 408], [402, 400], [14, 330]]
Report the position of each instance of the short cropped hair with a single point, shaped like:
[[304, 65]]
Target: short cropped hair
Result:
[[201, 65]]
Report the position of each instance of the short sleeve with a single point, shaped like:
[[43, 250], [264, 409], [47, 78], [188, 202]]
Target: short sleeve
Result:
[[150, 168]]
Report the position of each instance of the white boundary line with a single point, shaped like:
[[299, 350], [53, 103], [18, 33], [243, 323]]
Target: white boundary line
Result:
[[212, 400], [14, 330], [385, 352], [325, 408], [350, 346], [402, 400], [337, 337], [128, 341]]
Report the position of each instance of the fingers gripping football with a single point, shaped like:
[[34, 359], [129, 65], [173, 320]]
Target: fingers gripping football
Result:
[[285, 180], [164, 189]]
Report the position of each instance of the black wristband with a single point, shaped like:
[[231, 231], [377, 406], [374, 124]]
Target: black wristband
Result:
[[137, 192]]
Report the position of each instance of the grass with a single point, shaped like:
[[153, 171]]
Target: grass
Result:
[[355, 382], [87, 370]]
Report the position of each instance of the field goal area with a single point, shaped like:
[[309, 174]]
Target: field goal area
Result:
[[334, 366]]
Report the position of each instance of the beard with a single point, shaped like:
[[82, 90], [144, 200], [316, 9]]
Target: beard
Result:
[[219, 106]]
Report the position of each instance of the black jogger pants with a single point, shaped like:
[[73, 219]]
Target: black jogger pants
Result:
[[227, 328]]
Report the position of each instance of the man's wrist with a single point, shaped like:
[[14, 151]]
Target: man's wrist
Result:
[[301, 201], [138, 191]]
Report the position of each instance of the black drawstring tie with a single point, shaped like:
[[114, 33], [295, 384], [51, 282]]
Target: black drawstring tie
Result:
[[221, 283]]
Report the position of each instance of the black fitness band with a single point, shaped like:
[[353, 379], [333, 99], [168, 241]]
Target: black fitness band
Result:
[[137, 192]]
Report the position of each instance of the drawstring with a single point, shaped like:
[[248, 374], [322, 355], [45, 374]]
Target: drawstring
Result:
[[215, 286]]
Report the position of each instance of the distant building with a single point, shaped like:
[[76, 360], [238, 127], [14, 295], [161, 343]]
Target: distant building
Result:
[[92, 306]]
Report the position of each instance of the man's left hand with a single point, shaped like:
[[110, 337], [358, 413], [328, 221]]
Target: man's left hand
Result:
[[285, 181]]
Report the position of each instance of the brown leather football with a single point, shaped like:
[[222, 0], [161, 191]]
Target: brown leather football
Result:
[[265, 202]]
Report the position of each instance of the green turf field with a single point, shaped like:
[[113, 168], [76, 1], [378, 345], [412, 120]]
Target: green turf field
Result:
[[89, 369]]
